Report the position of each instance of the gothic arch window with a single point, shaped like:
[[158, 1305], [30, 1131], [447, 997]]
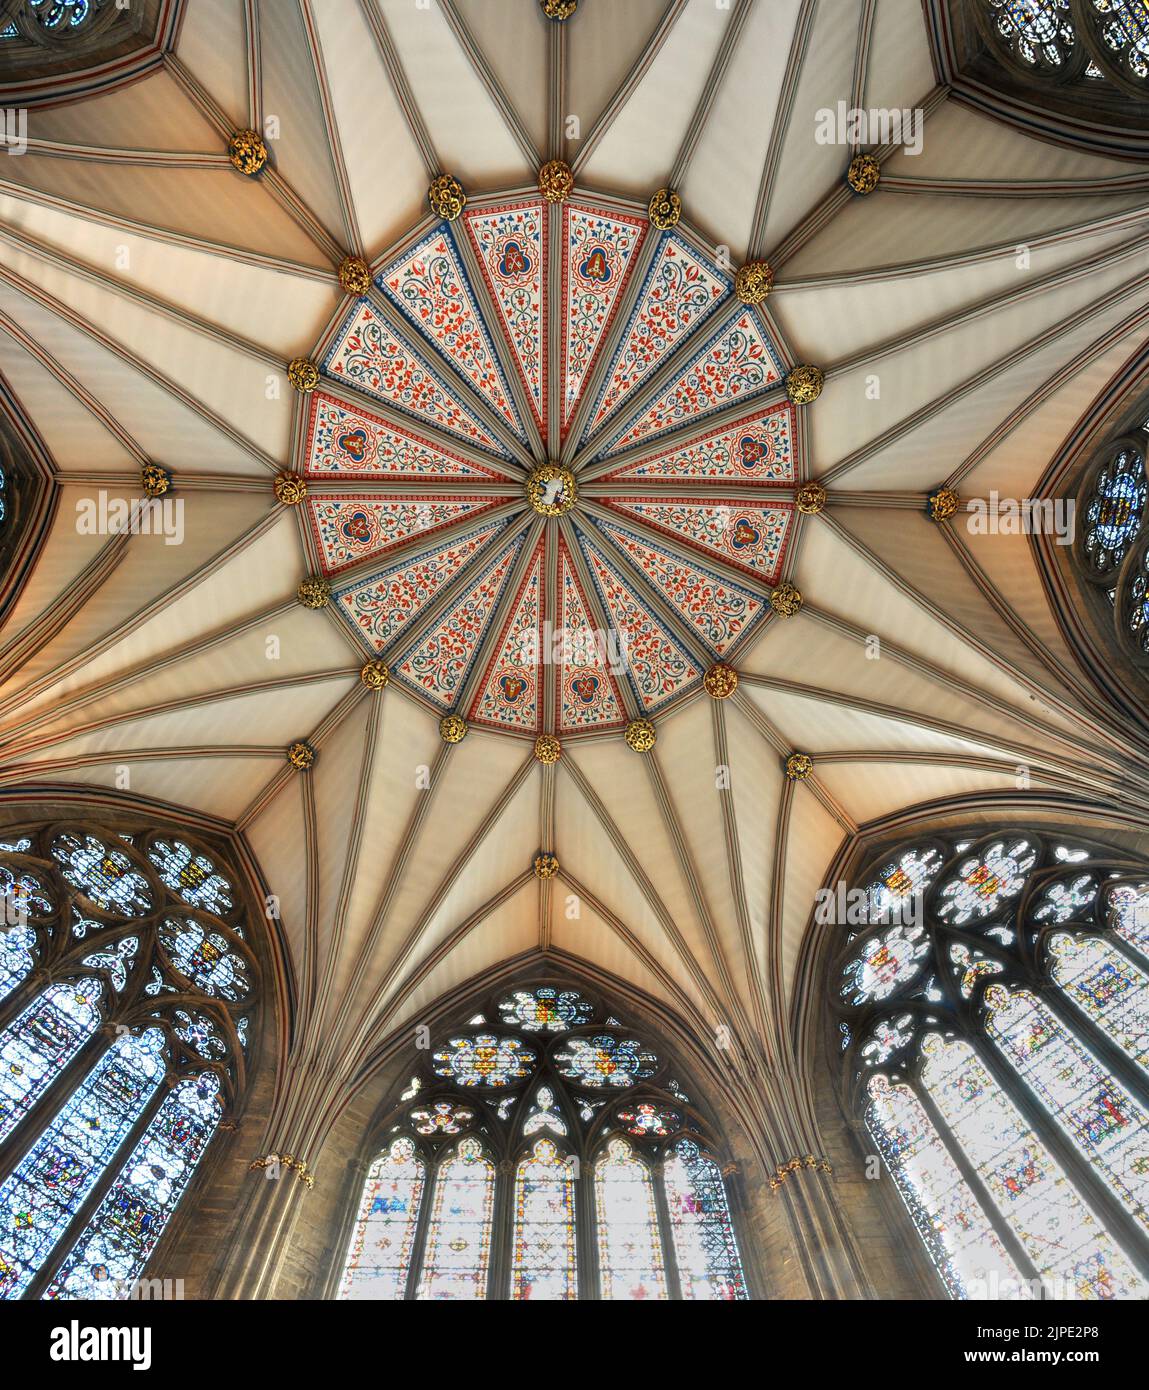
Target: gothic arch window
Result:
[[126, 990], [1112, 535], [543, 1151], [1077, 70], [992, 1004]]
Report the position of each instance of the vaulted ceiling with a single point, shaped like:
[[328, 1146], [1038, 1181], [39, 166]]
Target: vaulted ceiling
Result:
[[968, 315]]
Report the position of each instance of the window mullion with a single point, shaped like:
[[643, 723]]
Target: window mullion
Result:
[[502, 1231], [83, 1214], [422, 1224], [586, 1233], [1005, 1232], [665, 1232], [1084, 1177]]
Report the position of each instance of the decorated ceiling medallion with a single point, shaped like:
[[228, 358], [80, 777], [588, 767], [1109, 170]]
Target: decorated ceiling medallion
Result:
[[754, 282], [665, 209], [811, 498], [290, 488], [628, 595], [720, 681], [864, 173], [452, 728], [154, 480], [548, 749], [355, 275], [301, 755], [551, 490], [247, 152], [446, 197], [804, 384], [546, 865], [558, 9], [799, 766], [556, 181], [303, 374], [640, 735], [314, 592], [942, 503], [375, 675], [786, 600]]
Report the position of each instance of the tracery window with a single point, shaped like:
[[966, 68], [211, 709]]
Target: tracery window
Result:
[[543, 1151], [1112, 538], [126, 990], [992, 999], [1066, 41]]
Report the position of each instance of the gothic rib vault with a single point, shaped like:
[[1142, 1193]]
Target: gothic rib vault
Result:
[[151, 297]]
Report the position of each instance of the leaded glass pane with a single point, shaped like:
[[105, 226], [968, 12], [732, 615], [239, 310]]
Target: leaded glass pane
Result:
[[379, 1256], [40, 1197], [1129, 914], [1073, 1251], [885, 963], [459, 1239], [543, 1253], [484, 1060], [606, 1061], [630, 1252], [40, 1042], [104, 874], [958, 1235], [205, 957], [1098, 1114], [545, 1010], [985, 881], [1107, 986], [16, 958], [192, 875], [110, 1255], [705, 1250]]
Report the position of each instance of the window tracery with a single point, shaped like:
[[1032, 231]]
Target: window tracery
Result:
[[1001, 1071], [1112, 542], [124, 1008], [559, 1164]]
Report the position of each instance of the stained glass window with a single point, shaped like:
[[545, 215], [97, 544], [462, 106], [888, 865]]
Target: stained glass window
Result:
[[543, 1250], [122, 1146], [379, 1259], [1107, 986], [193, 875], [63, 1166], [500, 1141], [544, 1010], [484, 1060], [38, 1044], [606, 1061], [1006, 1059], [706, 1251], [959, 1236], [630, 1253], [1039, 33], [459, 1240], [111, 1254]]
